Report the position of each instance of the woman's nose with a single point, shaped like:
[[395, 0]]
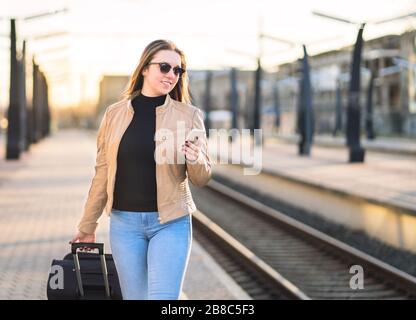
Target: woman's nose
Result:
[[171, 74]]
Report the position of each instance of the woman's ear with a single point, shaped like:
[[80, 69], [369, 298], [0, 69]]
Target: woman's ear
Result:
[[144, 71]]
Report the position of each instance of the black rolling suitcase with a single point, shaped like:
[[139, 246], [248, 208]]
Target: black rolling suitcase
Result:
[[84, 275]]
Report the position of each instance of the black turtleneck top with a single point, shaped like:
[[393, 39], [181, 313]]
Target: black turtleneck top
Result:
[[135, 185]]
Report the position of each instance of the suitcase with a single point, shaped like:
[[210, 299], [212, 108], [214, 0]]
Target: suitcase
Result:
[[84, 275]]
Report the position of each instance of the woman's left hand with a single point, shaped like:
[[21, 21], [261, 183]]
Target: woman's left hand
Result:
[[191, 151]]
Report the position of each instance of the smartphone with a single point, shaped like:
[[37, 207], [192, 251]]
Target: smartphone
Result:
[[195, 135]]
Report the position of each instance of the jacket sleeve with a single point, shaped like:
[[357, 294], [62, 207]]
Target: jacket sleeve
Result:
[[97, 195], [199, 171]]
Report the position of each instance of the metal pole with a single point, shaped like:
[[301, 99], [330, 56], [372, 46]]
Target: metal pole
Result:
[[369, 110], [257, 98], [276, 102], [47, 108], [338, 109], [234, 102], [36, 103], [43, 105], [23, 100], [356, 152], [306, 112], [13, 148], [207, 101], [234, 98]]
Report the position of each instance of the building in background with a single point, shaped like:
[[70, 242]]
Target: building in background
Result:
[[111, 89], [391, 58]]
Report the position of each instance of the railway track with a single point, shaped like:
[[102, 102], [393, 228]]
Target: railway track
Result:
[[273, 256]]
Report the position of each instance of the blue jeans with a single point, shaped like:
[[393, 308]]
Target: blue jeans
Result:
[[151, 258]]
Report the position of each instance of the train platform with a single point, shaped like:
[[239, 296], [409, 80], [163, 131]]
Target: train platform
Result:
[[41, 199], [377, 196]]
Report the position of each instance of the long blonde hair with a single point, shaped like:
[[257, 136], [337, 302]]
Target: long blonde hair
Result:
[[180, 92]]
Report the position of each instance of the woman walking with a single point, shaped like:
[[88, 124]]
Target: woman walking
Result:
[[142, 170]]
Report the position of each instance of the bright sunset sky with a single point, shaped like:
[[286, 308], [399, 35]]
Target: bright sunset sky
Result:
[[108, 36]]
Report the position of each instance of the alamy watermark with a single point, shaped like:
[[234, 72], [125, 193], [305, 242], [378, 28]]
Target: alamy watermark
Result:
[[357, 280], [225, 146], [56, 281]]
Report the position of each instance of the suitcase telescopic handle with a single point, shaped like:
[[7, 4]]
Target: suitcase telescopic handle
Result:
[[100, 247]]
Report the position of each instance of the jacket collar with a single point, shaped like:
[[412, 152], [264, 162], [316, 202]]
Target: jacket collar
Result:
[[159, 109]]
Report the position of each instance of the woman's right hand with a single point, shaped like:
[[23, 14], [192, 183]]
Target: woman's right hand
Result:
[[83, 237]]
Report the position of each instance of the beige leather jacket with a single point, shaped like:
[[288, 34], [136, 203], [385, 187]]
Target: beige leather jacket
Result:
[[173, 122]]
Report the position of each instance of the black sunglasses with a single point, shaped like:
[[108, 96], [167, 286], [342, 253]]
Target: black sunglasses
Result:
[[165, 68]]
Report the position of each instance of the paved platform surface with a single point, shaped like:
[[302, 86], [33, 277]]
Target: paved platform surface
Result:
[[386, 179], [41, 200]]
